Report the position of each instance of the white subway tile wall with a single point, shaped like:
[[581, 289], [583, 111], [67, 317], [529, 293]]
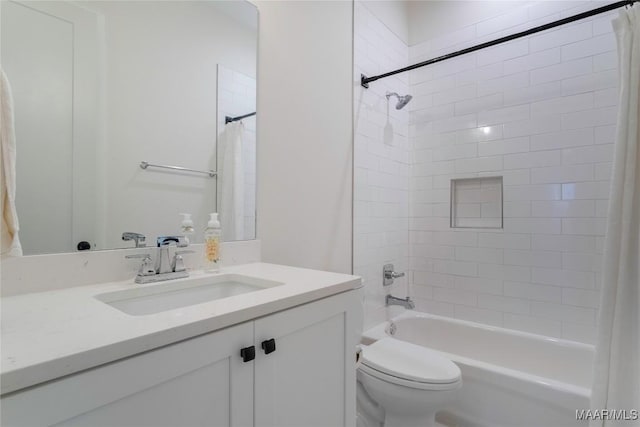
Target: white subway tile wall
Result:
[[540, 112], [382, 158]]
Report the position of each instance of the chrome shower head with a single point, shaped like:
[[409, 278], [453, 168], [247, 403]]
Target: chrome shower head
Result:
[[402, 100]]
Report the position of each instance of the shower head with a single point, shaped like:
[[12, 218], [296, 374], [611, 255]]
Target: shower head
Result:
[[402, 100]]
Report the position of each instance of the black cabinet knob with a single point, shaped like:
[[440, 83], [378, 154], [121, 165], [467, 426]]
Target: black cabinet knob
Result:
[[84, 246], [269, 346], [248, 354]]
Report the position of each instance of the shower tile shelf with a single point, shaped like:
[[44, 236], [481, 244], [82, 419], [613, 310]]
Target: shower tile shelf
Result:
[[476, 203]]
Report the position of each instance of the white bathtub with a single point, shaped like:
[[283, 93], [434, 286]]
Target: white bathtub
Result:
[[510, 378]]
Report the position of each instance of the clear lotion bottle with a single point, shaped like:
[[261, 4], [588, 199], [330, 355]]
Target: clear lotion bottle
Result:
[[212, 237]]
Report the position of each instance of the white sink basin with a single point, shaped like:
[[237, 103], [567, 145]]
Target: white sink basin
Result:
[[160, 297]]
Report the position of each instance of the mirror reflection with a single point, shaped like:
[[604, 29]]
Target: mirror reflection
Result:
[[100, 87]]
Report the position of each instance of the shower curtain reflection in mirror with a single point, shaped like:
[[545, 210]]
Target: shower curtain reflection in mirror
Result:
[[236, 154]]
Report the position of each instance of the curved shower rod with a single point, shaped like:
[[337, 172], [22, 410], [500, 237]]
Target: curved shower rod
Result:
[[364, 80]]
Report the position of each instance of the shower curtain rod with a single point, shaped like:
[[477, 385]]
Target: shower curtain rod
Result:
[[229, 119], [364, 80]]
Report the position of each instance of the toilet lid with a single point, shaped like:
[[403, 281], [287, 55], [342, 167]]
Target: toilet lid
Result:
[[410, 361]]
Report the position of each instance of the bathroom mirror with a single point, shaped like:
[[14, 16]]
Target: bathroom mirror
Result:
[[100, 87]]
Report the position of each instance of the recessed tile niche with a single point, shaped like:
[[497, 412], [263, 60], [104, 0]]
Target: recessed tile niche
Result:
[[476, 202]]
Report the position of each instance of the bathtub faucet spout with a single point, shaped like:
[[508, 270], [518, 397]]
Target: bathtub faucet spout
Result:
[[405, 302]]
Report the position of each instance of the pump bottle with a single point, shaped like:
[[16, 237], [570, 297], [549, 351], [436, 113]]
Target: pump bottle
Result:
[[212, 237], [186, 226]]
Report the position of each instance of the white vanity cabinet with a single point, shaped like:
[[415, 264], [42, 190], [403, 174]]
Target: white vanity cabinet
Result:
[[306, 379], [309, 380], [197, 382]]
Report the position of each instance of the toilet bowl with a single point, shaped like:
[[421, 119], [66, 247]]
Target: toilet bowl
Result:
[[404, 385]]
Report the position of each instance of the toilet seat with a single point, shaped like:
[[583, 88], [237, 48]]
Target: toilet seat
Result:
[[409, 365]]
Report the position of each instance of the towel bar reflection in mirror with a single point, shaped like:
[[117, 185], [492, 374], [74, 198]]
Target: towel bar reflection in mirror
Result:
[[145, 165]]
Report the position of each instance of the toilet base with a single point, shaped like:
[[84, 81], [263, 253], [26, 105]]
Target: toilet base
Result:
[[381, 404], [402, 420], [364, 421]]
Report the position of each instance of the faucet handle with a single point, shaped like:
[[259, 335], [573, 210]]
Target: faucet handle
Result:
[[177, 263], [388, 274], [394, 275], [146, 268]]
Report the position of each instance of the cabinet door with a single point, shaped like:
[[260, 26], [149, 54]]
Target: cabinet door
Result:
[[198, 382], [309, 380]]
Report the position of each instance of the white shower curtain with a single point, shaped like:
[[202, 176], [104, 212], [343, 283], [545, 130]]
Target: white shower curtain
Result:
[[616, 382], [231, 176], [9, 229]]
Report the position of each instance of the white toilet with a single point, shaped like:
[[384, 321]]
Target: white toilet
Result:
[[403, 385]]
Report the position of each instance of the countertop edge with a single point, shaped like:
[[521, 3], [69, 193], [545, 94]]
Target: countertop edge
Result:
[[33, 375]]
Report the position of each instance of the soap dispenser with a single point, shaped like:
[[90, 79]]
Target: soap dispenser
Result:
[[186, 227], [212, 236]]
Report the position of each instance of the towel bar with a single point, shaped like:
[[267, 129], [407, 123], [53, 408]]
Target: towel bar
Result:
[[210, 173]]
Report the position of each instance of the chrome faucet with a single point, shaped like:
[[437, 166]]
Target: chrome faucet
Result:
[[164, 267], [137, 237], [404, 302], [163, 263], [388, 276]]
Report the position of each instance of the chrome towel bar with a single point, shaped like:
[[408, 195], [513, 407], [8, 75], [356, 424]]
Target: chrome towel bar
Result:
[[145, 165]]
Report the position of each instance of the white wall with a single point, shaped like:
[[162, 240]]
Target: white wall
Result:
[[381, 161], [393, 14], [428, 20], [305, 133], [539, 111], [153, 119]]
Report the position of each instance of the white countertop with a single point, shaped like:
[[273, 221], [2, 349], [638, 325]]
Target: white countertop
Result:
[[47, 335]]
